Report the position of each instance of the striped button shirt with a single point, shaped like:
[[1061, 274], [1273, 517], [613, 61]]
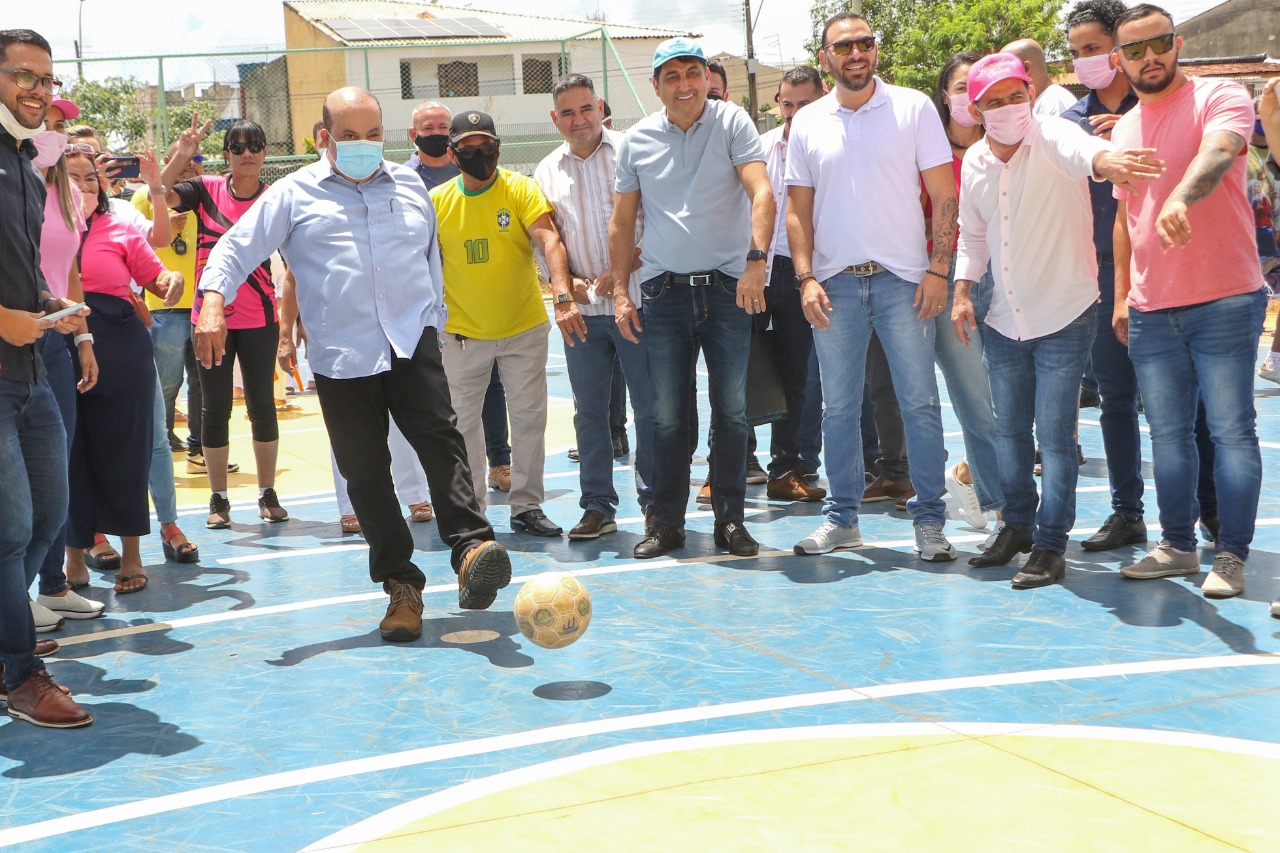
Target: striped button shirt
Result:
[[581, 195]]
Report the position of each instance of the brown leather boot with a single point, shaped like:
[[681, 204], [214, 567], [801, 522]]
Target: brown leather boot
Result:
[[38, 700], [791, 487], [403, 622]]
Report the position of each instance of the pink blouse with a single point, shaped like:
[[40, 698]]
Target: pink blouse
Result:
[[58, 243], [115, 253]]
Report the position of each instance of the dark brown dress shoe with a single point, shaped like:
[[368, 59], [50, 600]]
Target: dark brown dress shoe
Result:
[[485, 569], [792, 487], [660, 539], [1115, 532], [593, 525], [1009, 544], [882, 489], [1041, 569], [403, 622], [38, 700]]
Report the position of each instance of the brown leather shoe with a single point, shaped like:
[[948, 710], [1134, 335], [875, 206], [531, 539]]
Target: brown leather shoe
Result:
[[485, 569], [46, 647], [704, 494], [882, 489], [421, 512], [38, 700], [593, 525], [792, 488], [500, 478], [403, 622]]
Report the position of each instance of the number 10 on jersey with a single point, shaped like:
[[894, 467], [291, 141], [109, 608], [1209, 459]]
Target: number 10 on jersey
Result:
[[477, 251]]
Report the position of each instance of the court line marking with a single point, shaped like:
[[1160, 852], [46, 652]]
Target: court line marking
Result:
[[366, 831], [631, 722]]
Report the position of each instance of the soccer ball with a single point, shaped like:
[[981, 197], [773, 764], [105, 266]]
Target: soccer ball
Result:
[[553, 609]]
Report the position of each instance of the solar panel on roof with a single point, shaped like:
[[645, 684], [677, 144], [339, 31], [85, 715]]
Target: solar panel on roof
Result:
[[364, 29]]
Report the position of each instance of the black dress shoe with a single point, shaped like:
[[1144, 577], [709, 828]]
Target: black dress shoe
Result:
[[535, 523], [621, 446], [593, 525], [1041, 569], [660, 539], [1009, 544], [1115, 532], [733, 536], [573, 454]]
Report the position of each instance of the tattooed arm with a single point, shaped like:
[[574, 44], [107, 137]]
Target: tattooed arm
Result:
[[1218, 150], [931, 295]]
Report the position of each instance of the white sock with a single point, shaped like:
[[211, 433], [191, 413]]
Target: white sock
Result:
[[262, 490], [222, 495]]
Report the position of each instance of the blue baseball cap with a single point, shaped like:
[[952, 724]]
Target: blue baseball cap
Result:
[[677, 48]]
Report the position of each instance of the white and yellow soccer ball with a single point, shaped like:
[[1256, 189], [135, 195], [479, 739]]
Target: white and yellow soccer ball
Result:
[[553, 609]]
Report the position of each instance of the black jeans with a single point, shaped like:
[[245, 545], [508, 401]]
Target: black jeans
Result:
[[256, 351], [794, 335], [356, 413]]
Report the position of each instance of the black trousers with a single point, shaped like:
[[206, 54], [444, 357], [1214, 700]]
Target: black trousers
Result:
[[357, 415]]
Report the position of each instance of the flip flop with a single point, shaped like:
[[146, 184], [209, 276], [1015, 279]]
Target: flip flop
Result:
[[187, 552], [122, 578], [107, 561], [350, 524]]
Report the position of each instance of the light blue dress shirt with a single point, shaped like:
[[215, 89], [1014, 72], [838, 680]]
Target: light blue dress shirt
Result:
[[365, 258]]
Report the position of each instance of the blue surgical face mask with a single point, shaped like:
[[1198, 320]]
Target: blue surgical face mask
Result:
[[358, 158]]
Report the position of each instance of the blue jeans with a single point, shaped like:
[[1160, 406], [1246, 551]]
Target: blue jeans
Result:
[[861, 305], [497, 443], [170, 337], [1118, 388], [160, 479], [679, 318], [33, 507], [794, 336], [591, 371], [1038, 381], [970, 393], [54, 351], [1202, 351]]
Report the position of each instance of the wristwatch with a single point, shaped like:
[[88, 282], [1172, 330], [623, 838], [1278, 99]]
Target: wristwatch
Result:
[[562, 298], [757, 255], [800, 279]]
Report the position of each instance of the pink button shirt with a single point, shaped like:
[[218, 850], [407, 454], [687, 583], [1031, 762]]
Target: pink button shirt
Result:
[[115, 253]]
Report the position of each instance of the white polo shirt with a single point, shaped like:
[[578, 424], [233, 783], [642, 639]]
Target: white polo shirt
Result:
[[1053, 101], [865, 170], [1032, 218], [775, 163]]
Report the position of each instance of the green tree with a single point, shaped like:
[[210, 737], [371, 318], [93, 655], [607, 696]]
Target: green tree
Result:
[[180, 118], [110, 107], [916, 39]]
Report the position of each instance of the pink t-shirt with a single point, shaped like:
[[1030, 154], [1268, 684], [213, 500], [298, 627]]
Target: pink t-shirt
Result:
[[58, 243], [1222, 258], [217, 209], [114, 254]]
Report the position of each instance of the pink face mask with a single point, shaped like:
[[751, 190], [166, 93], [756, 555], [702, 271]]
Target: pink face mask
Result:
[[1096, 72], [959, 103], [49, 145], [1008, 125]]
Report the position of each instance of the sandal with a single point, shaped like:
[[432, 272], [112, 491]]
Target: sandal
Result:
[[105, 561], [184, 552], [122, 579], [421, 512], [350, 524]]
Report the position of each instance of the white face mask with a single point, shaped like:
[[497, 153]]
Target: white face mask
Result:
[[959, 104], [10, 123], [1008, 125], [1096, 72]]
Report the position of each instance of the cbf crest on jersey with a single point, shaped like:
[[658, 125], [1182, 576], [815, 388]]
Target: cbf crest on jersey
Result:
[[504, 219]]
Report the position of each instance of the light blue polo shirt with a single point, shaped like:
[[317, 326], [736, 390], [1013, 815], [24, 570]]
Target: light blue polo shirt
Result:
[[697, 216]]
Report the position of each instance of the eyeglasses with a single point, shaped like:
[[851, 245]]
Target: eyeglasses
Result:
[[488, 149], [27, 81], [1135, 50], [844, 47], [238, 148], [79, 148]]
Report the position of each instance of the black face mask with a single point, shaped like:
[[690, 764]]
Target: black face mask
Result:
[[479, 162], [713, 96], [433, 145]]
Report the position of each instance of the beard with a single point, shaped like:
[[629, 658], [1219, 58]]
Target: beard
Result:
[[1152, 86], [853, 85]]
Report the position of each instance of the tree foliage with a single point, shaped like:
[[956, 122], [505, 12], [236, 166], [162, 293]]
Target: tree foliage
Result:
[[917, 38], [112, 108]]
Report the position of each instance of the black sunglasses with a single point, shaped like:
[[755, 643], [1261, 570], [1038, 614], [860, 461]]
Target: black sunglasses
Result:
[[1135, 50], [844, 47], [467, 152], [238, 148]]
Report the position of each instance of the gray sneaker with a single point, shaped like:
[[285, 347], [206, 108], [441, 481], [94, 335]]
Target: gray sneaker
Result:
[[1227, 577], [1275, 608], [1163, 561], [932, 544], [829, 537]]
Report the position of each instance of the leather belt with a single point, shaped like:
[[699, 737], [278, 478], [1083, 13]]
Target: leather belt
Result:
[[696, 279], [864, 270], [1106, 258]]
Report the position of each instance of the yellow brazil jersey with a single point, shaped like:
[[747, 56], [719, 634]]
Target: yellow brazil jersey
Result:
[[185, 263], [490, 278]]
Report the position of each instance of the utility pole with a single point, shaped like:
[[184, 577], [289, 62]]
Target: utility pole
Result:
[[80, 43], [752, 65]]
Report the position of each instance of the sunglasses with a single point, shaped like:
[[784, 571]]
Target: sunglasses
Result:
[[1135, 50], [199, 158], [78, 148], [844, 47], [238, 148], [488, 149], [27, 81]]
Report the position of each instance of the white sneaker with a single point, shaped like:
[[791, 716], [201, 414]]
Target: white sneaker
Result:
[[1275, 607], [830, 537], [932, 544], [1163, 561], [72, 605], [1270, 369], [46, 620], [1227, 577], [966, 496]]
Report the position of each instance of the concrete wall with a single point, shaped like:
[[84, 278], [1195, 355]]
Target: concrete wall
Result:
[[1236, 28], [312, 76]]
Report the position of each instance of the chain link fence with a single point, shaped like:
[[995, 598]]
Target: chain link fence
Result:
[[140, 102]]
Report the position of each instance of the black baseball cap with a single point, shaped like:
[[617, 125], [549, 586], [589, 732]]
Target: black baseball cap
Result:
[[471, 123]]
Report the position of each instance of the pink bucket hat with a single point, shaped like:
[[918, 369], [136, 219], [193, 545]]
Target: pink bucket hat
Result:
[[989, 70]]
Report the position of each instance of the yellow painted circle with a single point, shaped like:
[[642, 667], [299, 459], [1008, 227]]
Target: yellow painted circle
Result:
[[897, 792]]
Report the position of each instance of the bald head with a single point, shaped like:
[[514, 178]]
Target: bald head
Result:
[[347, 99], [1032, 56]]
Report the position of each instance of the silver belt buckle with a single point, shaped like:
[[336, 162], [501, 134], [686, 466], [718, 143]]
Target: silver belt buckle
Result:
[[701, 280], [864, 270]]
